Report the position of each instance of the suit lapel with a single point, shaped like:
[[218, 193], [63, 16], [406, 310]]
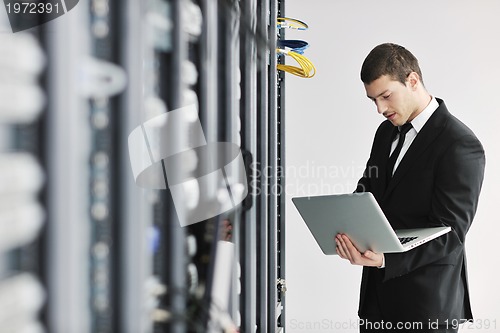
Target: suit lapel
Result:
[[423, 140]]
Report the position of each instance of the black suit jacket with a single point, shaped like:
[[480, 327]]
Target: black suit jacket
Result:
[[437, 183]]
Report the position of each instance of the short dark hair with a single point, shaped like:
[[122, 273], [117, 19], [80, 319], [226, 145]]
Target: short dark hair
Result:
[[389, 59]]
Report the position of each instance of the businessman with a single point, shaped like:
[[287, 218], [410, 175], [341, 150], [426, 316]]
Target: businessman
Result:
[[429, 172]]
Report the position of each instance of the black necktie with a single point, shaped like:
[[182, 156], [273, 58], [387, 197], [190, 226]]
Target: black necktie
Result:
[[394, 156]]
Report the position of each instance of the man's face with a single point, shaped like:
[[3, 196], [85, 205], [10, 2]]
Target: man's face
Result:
[[394, 100]]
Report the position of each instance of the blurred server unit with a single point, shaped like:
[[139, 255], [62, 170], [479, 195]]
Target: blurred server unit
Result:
[[22, 215], [83, 151]]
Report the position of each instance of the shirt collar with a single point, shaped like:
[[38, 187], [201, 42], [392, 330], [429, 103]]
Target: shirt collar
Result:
[[422, 118]]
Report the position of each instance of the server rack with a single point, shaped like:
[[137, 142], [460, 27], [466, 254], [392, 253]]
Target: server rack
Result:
[[114, 256], [83, 164]]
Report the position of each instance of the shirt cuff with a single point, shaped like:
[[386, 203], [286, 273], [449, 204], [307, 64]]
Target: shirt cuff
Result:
[[383, 262]]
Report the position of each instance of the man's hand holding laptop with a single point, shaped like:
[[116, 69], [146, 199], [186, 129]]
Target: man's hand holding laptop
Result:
[[347, 250]]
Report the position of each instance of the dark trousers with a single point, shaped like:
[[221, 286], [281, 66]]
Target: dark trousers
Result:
[[374, 322]]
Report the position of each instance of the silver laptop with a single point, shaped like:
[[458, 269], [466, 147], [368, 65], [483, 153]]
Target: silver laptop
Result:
[[359, 216]]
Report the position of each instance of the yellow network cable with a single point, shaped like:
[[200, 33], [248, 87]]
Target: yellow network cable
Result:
[[286, 22], [306, 69]]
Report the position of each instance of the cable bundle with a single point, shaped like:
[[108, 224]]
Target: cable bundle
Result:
[[306, 69], [306, 66], [291, 23], [296, 45]]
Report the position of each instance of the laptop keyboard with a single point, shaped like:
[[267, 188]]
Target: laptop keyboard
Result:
[[405, 240]]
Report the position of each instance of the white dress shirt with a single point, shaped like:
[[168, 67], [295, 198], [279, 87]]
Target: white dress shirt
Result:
[[417, 125]]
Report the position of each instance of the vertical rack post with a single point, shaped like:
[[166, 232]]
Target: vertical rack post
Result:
[[104, 184], [68, 143], [136, 261], [281, 181], [249, 144], [172, 88], [277, 164], [264, 247]]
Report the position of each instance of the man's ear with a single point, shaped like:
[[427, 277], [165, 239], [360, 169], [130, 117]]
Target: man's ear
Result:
[[412, 80]]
